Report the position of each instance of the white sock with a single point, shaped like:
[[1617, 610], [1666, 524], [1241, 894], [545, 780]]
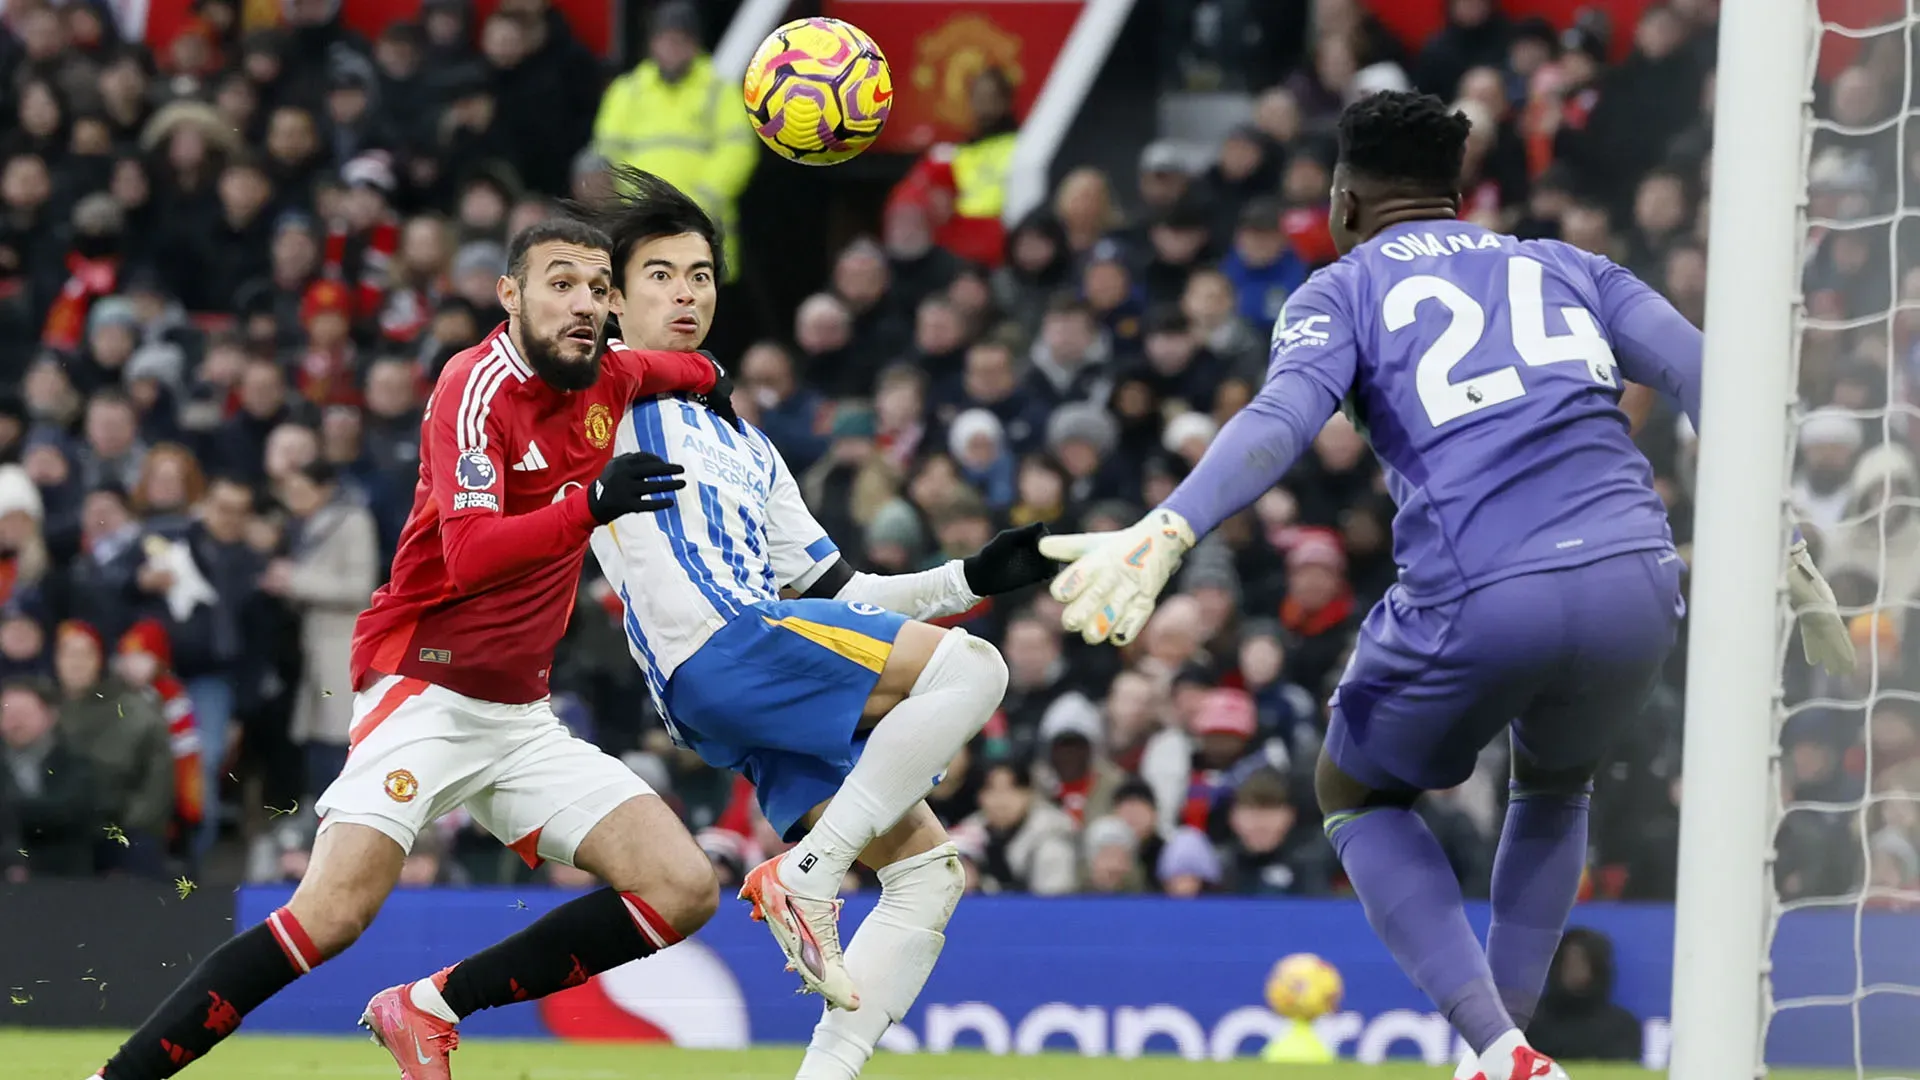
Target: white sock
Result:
[[890, 957], [951, 701], [1497, 1060], [1468, 1068], [427, 998]]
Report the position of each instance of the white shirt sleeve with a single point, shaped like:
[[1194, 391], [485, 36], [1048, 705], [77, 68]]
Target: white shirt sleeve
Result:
[[798, 547]]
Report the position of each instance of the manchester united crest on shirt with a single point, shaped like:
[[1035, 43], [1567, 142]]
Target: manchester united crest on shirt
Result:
[[599, 425]]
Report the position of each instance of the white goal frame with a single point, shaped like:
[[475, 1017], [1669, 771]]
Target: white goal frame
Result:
[[1727, 819]]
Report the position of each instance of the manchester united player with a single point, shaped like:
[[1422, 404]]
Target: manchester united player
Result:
[[450, 670]]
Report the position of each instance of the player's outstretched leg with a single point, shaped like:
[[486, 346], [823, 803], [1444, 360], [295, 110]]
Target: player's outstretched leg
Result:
[[896, 946], [1413, 902], [353, 869], [935, 693], [661, 888]]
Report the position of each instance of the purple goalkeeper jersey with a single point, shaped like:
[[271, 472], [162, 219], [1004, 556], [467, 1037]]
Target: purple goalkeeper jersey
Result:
[[1486, 372]]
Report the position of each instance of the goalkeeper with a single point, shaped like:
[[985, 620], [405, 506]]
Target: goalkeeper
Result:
[[1539, 589], [769, 655]]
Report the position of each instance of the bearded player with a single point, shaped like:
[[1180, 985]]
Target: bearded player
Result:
[[768, 654], [1539, 589], [450, 669]]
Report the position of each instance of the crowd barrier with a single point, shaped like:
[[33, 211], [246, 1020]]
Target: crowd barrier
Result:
[[1091, 975]]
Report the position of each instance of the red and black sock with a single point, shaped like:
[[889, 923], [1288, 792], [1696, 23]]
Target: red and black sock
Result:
[[563, 948], [232, 981]]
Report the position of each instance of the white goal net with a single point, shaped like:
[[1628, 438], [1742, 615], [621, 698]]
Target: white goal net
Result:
[[1844, 928]]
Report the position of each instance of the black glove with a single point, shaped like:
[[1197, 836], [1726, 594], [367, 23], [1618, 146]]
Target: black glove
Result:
[[719, 400], [1010, 561], [629, 484]]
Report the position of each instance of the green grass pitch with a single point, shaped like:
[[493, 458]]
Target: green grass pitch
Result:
[[43, 1055]]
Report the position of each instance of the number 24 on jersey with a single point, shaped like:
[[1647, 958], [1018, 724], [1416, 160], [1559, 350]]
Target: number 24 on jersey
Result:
[[1446, 400]]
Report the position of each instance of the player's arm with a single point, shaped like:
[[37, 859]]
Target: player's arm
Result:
[[1655, 345], [807, 563], [651, 371], [1111, 587], [480, 544], [1658, 347]]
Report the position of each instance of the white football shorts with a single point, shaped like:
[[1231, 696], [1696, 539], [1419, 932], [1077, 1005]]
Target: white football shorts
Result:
[[419, 751]]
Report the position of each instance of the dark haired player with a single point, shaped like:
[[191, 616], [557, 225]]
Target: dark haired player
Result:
[[450, 671], [1539, 590], [769, 654]]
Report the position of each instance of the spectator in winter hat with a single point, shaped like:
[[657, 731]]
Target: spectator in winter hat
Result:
[[125, 741], [1073, 771], [1830, 441], [326, 372], [1319, 609], [1210, 578], [1080, 437], [23, 550], [1188, 865], [144, 661], [1189, 435], [1112, 853], [895, 539], [978, 445]]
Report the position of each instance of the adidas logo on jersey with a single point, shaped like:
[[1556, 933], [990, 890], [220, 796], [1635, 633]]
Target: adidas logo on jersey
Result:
[[532, 462]]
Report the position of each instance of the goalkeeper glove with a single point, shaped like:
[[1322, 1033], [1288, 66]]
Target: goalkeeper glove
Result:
[[1823, 634], [633, 484], [1115, 578], [1010, 561]]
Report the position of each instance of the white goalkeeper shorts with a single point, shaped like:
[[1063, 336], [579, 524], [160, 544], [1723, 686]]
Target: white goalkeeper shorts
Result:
[[419, 751]]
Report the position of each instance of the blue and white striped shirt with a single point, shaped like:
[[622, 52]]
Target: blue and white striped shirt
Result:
[[736, 535]]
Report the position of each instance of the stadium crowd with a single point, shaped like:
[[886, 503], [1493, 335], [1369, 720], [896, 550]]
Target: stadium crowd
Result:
[[229, 272]]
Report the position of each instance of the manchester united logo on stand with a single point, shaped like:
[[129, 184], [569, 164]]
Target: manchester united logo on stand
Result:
[[946, 60], [599, 425]]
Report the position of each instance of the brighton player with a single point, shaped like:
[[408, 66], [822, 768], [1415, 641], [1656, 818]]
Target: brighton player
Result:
[[769, 654], [450, 668], [1539, 588]]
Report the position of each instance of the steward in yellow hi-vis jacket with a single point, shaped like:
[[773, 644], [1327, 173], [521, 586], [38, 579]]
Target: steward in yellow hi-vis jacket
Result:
[[675, 117]]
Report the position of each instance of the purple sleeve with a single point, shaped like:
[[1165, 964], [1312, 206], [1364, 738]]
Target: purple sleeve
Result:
[[1312, 368], [1253, 451], [1655, 345]]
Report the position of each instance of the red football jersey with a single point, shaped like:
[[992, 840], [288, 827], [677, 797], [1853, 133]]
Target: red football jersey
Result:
[[484, 578]]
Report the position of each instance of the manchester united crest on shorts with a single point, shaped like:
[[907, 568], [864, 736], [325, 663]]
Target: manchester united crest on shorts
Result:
[[599, 425], [401, 786]]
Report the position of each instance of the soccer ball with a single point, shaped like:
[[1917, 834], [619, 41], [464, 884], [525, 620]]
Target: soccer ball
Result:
[[818, 91], [1304, 987]]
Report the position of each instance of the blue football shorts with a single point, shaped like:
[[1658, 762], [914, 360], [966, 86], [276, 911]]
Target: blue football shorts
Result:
[[777, 694]]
